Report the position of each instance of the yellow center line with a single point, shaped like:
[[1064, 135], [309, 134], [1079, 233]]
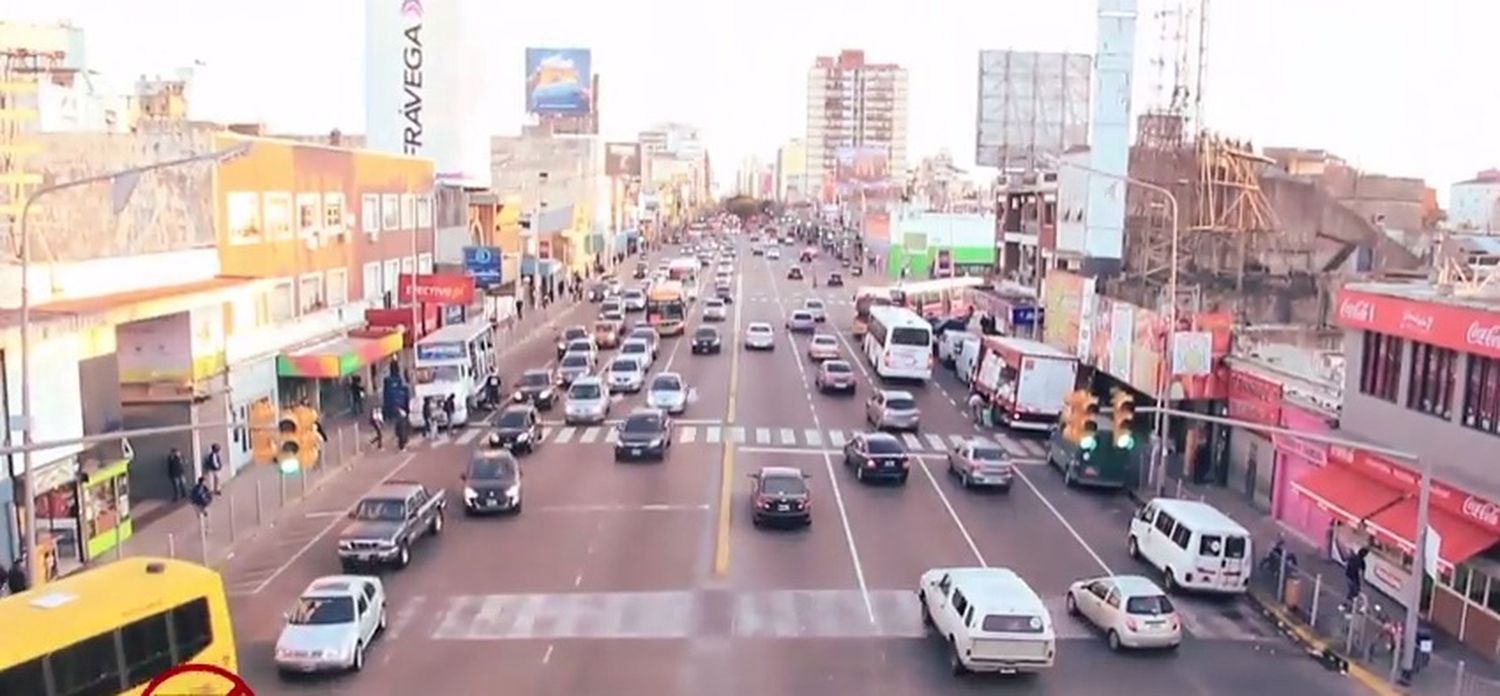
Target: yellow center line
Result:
[[726, 473]]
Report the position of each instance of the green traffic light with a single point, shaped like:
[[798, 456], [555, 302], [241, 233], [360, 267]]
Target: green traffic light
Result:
[[289, 465], [1088, 442], [1125, 441]]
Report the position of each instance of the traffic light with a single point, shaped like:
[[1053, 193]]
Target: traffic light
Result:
[[261, 430], [288, 454], [1079, 407], [1124, 415], [300, 442]]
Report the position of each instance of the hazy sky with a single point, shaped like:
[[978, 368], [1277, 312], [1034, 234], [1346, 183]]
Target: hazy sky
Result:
[[1397, 87]]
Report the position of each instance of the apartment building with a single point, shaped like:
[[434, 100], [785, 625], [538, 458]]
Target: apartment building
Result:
[[791, 171], [854, 103]]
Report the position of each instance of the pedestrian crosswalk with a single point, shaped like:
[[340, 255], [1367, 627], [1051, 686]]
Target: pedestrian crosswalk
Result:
[[745, 614], [759, 436]]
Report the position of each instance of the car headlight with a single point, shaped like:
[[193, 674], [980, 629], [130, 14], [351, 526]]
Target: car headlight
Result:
[[519, 396], [345, 545], [523, 437], [470, 493], [546, 393], [654, 443], [560, 346], [513, 491]]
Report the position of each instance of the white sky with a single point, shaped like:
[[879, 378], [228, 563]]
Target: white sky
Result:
[[1396, 87]]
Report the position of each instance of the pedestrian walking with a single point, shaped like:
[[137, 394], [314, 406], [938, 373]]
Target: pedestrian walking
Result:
[[377, 425], [1354, 572], [213, 463], [201, 497], [15, 578], [520, 309], [403, 429], [450, 406], [177, 472], [429, 424], [976, 408], [357, 395]]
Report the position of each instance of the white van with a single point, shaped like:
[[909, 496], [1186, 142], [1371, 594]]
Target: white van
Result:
[[991, 620], [950, 344], [1193, 545], [966, 359]]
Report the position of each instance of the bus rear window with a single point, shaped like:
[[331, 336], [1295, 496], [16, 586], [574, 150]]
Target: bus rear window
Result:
[[908, 336], [1234, 547], [1211, 545]]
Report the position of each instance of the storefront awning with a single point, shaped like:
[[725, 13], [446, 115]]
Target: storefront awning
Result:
[[338, 357], [1461, 540], [1346, 493]]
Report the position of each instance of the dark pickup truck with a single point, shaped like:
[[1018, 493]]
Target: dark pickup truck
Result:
[[387, 522]]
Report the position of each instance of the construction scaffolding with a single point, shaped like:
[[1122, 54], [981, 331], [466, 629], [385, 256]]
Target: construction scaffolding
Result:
[[21, 73]]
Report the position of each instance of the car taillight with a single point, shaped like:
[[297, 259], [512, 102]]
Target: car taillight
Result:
[[869, 463], [1173, 622], [762, 501], [1130, 625]]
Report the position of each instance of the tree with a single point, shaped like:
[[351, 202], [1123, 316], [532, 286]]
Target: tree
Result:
[[745, 207]]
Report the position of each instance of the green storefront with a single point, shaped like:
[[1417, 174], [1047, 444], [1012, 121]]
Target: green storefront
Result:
[[919, 240]]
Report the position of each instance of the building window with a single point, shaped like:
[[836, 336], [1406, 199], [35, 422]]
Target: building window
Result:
[[424, 212], [279, 216], [390, 212], [372, 286], [424, 264], [310, 292], [1434, 373], [408, 265], [1482, 398], [243, 213], [309, 215], [369, 214], [282, 302], [337, 288], [333, 213], [408, 211], [1380, 366], [392, 273]]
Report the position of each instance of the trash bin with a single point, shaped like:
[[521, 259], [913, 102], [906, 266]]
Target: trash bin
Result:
[[1291, 592]]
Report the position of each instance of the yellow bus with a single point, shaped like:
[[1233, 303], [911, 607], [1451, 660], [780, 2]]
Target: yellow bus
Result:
[[112, 629], [666, 308]]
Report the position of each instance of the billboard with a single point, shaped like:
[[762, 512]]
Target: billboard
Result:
[[863, 174], [559, 81], [1031, 106], [418, 60], [622, 159]]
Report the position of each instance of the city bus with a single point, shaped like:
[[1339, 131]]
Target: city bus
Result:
[[114, 628], [666, 308], [865, 298], [898, 344], [682, 268], [456, 361], [938, 299]]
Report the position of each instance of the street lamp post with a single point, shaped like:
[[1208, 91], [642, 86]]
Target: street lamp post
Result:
[[123, 184], [1164, 384]]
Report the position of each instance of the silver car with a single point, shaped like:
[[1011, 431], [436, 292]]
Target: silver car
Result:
[[979, 462], [635, 300], [760, 336], [627, 374], [715, 310], [815, 307], [801, 321], [668, 393], [587, 401], [574, 366], [893, 410], [332, 625], [649, 335], [638, 348], [823, 347]]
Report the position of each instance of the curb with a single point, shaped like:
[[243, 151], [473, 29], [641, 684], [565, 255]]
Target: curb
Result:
[[1319, 649]]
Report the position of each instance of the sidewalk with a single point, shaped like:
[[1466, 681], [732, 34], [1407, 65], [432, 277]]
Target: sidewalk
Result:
[[1318, 624]]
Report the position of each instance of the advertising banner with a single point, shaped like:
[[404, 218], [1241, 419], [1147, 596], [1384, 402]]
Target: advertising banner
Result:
[[482, 263], [440, 288], [1464, 329], [1062, 298], [1254, 398], [1032, 106], [622, 159], [559, 81]]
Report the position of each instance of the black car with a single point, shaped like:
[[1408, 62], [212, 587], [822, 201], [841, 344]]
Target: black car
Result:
[[492, 483], [518, 429], [536, 388], [877, 456], [640, 272], [646, 433], [568, 335], [835, 280], [596, 292], [780, 495], [724, 291], [706, 340], [794, 273]]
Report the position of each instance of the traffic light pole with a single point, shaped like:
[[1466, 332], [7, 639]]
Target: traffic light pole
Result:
[[33, 447], [1413, 598]]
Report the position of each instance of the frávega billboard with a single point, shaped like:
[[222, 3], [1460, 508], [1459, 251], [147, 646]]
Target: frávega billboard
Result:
[[415, 104]]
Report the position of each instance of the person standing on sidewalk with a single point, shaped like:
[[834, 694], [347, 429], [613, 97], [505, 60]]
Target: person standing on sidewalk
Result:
[[1354, 572], [201, 498], [177, 472], [377, 425], [403, 429], [213, 463], [520, 310], [15, 578]]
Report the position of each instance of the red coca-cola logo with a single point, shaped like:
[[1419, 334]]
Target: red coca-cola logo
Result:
[[1482, 510], [234, 685], [1358, 310], [1483, 336], [1416, 321]]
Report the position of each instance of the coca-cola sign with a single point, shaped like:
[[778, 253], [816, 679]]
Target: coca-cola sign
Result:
[[1440, 322], [1456, 502], [1482, 510]]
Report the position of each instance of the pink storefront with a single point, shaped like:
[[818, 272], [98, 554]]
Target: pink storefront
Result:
[[1296, 459]]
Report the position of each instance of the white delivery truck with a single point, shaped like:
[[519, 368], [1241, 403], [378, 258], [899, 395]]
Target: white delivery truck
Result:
[[1024, 381]]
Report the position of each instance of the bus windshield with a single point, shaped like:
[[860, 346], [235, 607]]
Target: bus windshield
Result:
[[440, 373], [668, 309]]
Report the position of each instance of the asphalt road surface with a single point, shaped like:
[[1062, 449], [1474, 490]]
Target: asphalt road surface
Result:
[[648, 578]]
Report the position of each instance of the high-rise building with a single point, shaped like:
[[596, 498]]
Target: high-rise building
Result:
[[852, 103], [791, 171]]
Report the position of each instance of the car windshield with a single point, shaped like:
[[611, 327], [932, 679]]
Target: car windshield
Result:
[[760, 328], [668, 384], [584, 391], [837, 367], [801, 316], [643, 424], [575, 360], [492, 469], [322, 611], [714, 304], [989, 454], [783, 485], [623, 366], [813, 304], [381, 510], [825, 342], [633, 347], [535, 379], [634, 294], [707, 333], [1154, 605], [604, 327], [900, 403], [885, 445], [512, 419], [574, 333]]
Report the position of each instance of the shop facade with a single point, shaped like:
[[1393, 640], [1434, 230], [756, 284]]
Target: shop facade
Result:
[[321, 374]]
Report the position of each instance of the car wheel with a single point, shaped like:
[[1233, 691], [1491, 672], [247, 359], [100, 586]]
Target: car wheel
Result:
[[437, 524], [383, 620], [902, 480], [403, 556], [1132, 548], [926, 615], [1072, 604], [859, 473], [517, 509], [1113, 639], [955, 660], [358, 663], [1068, 479], [348, 568], [756, 521], [1005, 488], [1169, 581]]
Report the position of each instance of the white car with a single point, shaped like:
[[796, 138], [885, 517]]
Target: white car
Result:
[[990, 619], [823, 347], [331, 627], [715, 310], [668, 392], [587, 401], [627, 374], [573, 366], [1131, 610], [760, 336], [815, 307], [773, 252], [635, 300], [639, 349]]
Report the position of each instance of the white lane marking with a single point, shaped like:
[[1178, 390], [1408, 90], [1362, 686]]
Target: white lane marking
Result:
[[958, 439], [440, 441], [836, 438], [936, 442], [326, 513], [1066, 525], [612, 435], [565, 435], [469, 435], [687, 435], [589, 435], [859, 568], [738, 434], [547, 656], [547, 432], [404, 616], [788, 436], [1012, 447], [912, 443], [698, 421], [329, 527], [763, 436], [813, 452], [953, 515], [814, 438], [713, 434], [648, 507]]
